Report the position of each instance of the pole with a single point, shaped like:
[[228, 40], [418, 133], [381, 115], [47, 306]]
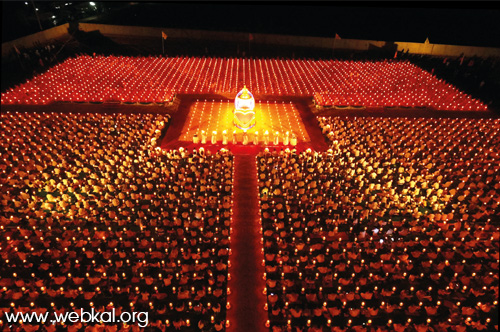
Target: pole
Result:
[[57, 53], [333, 48], [36, 14], [162, 44]]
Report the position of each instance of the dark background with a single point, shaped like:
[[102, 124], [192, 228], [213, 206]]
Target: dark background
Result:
[[457, 23]]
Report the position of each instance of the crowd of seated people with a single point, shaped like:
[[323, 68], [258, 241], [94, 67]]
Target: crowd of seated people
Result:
[[95, 215], [157, 79], [395, 228], [37, 57]]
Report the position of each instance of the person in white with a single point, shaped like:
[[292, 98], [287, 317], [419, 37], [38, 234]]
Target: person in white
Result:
[[224, 137], [286, 139], [266, 138]]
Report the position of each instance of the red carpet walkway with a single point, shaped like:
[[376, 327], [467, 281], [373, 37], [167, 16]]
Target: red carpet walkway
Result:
[[318, 141], [247, 313]]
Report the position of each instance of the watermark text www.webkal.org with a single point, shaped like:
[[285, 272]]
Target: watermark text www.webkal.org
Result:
[[82, 316]]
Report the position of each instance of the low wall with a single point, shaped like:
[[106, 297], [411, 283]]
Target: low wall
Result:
[[242, 37], [149, 32], [29, 41], [449, 50], [299, 41]]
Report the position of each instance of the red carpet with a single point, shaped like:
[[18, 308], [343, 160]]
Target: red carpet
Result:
[[171, 139], [318, 141], [247, 300]]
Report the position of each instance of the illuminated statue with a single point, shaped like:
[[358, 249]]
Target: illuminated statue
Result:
[[244, 114]]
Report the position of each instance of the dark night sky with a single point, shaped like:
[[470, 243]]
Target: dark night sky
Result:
[[444, 23]]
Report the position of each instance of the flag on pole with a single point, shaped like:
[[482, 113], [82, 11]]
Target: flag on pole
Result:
[[337, 36], [163, 38], [250, 36]]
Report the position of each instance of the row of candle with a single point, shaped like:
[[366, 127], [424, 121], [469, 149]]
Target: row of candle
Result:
[[157, 79]]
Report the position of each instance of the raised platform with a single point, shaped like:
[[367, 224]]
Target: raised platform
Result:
[[271, 116], [294, 112]]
